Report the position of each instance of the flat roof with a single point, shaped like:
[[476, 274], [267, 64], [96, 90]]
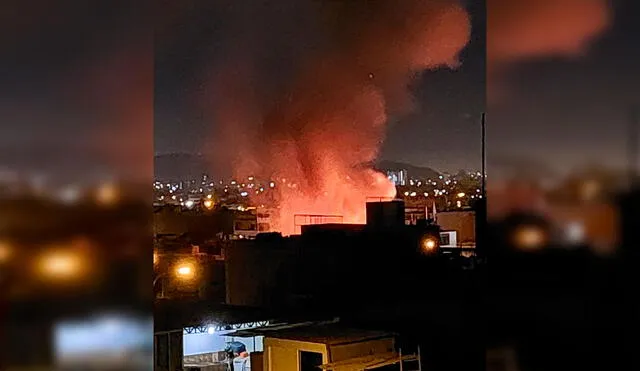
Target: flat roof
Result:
[[322, 333], [178, 314]]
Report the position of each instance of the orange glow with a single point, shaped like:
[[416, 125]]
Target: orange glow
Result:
[[317, 140], [6, 250], [60, 265], [107, 194], [429, 244], [531, 28], [529, 237], [185, 271], [336, 198]]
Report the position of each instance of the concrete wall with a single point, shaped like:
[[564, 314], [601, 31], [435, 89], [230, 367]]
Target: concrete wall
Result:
[[462, 222], [283, 355]]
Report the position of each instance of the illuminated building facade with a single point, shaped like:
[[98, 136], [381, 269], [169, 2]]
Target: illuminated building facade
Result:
[[398, 177]]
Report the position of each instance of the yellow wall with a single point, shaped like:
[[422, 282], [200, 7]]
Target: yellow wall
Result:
[[282, 355]]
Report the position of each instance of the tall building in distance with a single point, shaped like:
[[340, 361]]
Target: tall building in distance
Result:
[[398, 177]]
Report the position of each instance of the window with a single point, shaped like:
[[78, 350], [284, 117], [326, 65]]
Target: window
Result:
[[444, 239]]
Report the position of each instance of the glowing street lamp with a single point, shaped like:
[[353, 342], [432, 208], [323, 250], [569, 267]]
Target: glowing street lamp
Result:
[[183, 272], [60, 265], [107, 194], [208, 204], [530, 237], [5, 252], [429, 245]]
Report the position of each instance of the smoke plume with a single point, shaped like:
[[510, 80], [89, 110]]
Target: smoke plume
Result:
[[531, 29], [318, 134]]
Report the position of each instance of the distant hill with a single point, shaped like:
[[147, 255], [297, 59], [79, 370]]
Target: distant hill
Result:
[[180, 166], [412, 171]]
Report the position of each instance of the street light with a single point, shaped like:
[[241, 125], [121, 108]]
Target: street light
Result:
[[183, 271], [60, 265], [529, 237], [107, 194], [429, 244], [5, 252], [208, 204]]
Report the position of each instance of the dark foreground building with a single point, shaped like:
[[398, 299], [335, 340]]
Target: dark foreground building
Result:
[[383, 275]]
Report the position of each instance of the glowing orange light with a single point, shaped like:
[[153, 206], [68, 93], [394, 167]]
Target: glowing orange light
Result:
[[429, 244], [185, 271], [5, 251], [530, 237], [107, 194], [60, 265]]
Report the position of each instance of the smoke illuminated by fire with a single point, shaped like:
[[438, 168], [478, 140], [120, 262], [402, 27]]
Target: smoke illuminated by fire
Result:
[[320, 134], [533, 28], [528, 29]]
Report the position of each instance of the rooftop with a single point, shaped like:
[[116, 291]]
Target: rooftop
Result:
[[329, 333]]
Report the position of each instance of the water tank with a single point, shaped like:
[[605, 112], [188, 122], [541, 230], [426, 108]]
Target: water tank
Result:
[[387, 214]]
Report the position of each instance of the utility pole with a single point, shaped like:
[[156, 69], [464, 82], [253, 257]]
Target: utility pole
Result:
[[481, 204]]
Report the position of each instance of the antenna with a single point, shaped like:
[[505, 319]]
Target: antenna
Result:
[[633, 146], [483, 155]]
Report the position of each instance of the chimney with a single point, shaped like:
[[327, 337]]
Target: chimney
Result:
[[385, 215]]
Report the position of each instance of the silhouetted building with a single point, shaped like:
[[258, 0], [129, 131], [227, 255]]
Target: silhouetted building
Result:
[[332, 263]]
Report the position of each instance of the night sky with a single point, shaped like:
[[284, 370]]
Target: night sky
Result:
[[563, 112], [441, 132], [567, 113], [76, 89], [76, 84]]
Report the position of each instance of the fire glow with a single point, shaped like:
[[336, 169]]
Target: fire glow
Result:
[[319, 136]]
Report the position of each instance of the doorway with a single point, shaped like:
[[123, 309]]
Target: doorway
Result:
[[310, 361]]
